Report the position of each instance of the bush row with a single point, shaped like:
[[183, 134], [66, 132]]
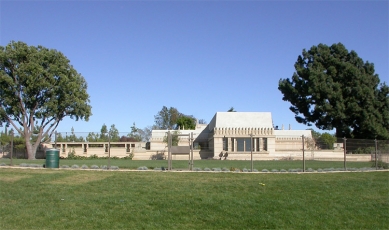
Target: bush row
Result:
[[232, 169]]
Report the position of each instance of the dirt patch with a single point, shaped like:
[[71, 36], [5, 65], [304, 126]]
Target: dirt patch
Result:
[[80, 179], [13, 178]]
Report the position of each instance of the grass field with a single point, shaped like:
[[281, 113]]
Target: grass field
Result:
[[80, 199], [183, 165]]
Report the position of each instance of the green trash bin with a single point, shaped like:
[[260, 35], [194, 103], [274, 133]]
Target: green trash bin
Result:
[[52, 158]]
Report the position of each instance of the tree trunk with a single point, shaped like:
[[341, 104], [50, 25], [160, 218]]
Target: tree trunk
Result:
[[31, 150]]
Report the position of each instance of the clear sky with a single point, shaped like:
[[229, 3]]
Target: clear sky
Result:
[[200, 57]]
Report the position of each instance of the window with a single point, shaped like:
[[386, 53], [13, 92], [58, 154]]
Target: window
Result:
[[240, 144], [264, 144], [243, 144], [248, 144]]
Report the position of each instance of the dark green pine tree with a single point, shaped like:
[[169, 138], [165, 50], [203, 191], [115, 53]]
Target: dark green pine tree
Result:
[[335, 89]]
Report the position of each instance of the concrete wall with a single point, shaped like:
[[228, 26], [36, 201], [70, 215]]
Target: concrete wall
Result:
[[100, 149]]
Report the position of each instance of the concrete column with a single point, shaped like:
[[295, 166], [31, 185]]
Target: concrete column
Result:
[[255, 144], [271, 143], [218, 145]]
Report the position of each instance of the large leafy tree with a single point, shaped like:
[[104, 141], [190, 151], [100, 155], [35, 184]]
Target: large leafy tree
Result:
[[39, 88], [186, 122], [171, 118], [335, 89], [166, 118]]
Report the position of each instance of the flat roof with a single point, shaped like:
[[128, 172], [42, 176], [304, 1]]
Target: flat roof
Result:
[[242, 120]]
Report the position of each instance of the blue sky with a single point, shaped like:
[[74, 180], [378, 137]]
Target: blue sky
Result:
[[201, 57]]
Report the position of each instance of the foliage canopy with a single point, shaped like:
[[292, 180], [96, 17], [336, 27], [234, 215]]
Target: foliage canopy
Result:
[[39, 88], [172, 119], [335, 89]]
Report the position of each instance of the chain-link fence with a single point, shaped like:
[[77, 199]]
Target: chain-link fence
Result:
[[328, 153], [300, 152]]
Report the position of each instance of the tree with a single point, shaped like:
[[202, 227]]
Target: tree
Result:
[[326, 141], [186, 122], [114, 134], [167, 118], [103, 133], [93, 137], [147, 131], [175, 138], [39, 87], [135, 134], [202, 121], [335, 89]]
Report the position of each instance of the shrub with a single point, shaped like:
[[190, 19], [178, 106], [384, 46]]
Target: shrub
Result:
[[328, 169], [255, 170], [23, 165], [197, 169], [274, 170], [282, 170], [3, 164], [265, 170], [94, 167], [157, 169], [72, 155], [237, 170], [232, 169], [75, 166], [143, 168], [131, 155], [310, 170], [380, 165], [103, 167], [207, 169], [225, 169], [320, 170], [158, 156], [64, 166], [244, 170], [113, 167], [216, 169], [94, 156], [84, 167]]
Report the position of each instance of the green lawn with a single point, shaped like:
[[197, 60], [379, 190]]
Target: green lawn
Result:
[[79, 199], [183, 165]]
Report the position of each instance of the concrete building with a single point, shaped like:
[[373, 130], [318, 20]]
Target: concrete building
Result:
[[238, 134]]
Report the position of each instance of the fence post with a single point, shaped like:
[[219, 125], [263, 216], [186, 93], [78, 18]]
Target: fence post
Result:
[[12, 144], [344, 152], [375, 153], [109, 151], [303, 154], [55, 140], [169, 154], [191, 151]]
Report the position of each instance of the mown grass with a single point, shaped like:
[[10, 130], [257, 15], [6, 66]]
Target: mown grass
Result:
[[77, 199], [183, 164]]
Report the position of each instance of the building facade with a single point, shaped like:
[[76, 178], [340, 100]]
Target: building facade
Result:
[[237, 134]]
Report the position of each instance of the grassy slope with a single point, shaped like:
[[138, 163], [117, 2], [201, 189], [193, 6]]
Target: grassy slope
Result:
[[77, 199]]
